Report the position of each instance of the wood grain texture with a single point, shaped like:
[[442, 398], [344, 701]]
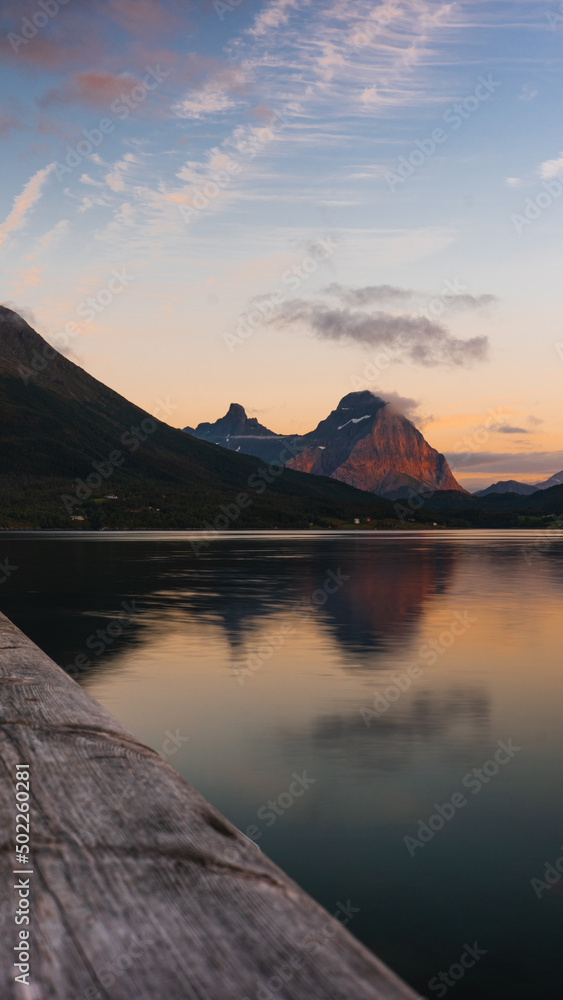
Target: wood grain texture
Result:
[[140, 889]]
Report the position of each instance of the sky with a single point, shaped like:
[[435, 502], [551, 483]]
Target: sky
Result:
[[277, 203]]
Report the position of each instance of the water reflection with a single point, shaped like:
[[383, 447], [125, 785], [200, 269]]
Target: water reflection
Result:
[[198, 621], [376, 603], [455, 723]]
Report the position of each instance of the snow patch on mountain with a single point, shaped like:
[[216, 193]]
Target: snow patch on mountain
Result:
[[353, 420]]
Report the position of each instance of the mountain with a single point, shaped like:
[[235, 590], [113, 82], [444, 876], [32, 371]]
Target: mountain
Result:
[[364, 442], [524, 489], [72, 447], [555, 480], [509, 486], [542, 508], [548, 500], [235, 423], [237, 432]]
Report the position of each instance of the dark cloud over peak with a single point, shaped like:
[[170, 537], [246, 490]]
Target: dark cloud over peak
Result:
[[452, 296], [414, 339], [370, 294]]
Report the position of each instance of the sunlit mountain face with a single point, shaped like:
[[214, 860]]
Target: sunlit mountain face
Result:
[[365, 442]]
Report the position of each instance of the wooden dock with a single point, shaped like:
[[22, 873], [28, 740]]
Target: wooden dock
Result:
[[140, 890]]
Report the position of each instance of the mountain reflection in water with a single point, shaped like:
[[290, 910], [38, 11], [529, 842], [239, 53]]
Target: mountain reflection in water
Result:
[[269, 655]]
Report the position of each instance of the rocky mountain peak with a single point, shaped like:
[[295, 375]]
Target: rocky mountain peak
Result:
[[235, 424], [363, 442], [357, 400], [236, 412]]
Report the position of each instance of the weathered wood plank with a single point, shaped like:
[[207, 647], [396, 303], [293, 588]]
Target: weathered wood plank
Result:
[[140, 889]]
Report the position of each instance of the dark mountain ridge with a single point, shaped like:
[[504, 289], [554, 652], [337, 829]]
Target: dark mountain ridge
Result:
[[61, 428], [507, 486], [556, 480]]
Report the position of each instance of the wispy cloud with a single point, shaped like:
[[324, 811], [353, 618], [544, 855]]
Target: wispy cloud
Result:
[[219, 92], [199, 103], [32, 275], [86, 179], [50, 239], [390, 294], [410, 408], [24, 202], [274, 15], [415, 339], [116, 177], [343, 56], [538, 463], [551, 168], [528, 93]]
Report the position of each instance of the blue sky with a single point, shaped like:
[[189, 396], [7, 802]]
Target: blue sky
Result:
[[274, 203]]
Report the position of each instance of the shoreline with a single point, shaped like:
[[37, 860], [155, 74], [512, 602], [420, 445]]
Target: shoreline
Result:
[[272, 532]]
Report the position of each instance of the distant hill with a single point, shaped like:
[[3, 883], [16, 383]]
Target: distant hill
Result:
[[508, 486], [68, 440], [496, 509], [524, 489], [364, 442], [548, 500], [555, 480]]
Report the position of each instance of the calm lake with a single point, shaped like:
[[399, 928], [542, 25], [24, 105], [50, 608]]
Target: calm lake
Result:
[[412, 682]]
